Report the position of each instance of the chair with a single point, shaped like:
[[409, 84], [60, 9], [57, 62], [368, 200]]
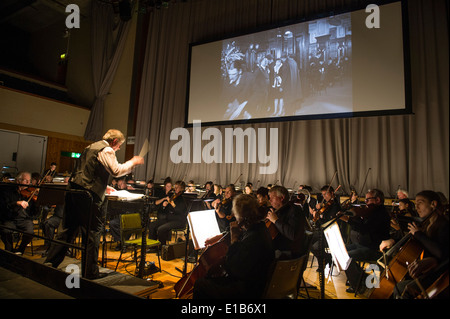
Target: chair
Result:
[[283, 281], [306, 249], [175, 232], [130, 224]]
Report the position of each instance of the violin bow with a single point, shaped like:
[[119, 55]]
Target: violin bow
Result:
[[364, 185]]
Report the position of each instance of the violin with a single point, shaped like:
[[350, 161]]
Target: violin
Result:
[[30, 193], [172, 199], [325, 206]]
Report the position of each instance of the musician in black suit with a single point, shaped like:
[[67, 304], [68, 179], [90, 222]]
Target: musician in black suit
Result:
[[290, 222], [223, 208], [244, 271], [17, 212], [369, 229], [172, 212]]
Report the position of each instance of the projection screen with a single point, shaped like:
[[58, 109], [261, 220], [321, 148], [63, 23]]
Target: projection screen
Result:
[[343, 65]]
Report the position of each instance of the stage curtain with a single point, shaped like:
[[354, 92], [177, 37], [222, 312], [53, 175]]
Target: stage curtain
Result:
[[108, 37]]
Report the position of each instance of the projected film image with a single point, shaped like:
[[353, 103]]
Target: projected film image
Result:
[[295, 70], [333, 66]]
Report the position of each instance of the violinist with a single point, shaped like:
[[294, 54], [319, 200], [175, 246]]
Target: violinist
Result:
[[51, 172], [209, 188], [329, 207], [249, 256], [369, 227], [171, 214], [401, 213], [324, 212], [433, 235], [223, 208], [18, 212], [289, 221]]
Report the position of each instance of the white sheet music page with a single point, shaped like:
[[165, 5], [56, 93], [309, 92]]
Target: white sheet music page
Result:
[[203, 225], [125, 195]]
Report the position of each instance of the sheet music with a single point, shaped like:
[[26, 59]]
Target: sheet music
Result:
[[203, 225], [337, 247], [125, 195]]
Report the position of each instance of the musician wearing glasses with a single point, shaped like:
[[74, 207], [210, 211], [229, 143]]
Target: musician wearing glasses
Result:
[[17, 212], [370, 225]]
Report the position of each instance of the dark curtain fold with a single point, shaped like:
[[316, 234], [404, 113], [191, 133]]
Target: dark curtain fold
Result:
[[410, 151], [108, 38]]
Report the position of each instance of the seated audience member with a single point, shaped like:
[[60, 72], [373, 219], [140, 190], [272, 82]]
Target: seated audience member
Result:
[[17, 213], [244, 271]]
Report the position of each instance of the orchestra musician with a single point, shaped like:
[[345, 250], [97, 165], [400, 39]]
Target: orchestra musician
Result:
[[289, 221], [324, 212], [18, 212], [223, 208], [244, 272], [369, 227], [433, 235], [91, 173], [209, 188], [171, 214]]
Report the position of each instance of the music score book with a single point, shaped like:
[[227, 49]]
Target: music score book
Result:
[[203, 225]]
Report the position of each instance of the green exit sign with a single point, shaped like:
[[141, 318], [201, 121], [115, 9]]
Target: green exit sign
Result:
[[71, 154]]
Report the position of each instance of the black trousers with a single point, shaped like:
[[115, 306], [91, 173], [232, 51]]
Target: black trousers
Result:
[[80, 216], [161, 229], [25, 225]]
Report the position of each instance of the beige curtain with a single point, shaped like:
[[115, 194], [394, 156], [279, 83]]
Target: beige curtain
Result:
[[410, 151]]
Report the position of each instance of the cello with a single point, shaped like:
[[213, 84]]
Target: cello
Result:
[[409, 250], [210, 262]]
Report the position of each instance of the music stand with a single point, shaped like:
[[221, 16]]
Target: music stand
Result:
[[186, 252], [330, 230]]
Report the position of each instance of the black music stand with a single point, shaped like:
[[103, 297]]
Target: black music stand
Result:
[[145, 217]]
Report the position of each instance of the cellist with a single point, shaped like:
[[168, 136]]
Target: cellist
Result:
[[249, 256], [433, 235]]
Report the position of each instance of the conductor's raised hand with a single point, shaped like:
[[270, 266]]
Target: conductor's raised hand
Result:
[[137, 160]]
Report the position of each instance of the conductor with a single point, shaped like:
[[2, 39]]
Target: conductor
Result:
[[91, 173]]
